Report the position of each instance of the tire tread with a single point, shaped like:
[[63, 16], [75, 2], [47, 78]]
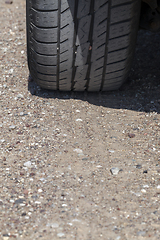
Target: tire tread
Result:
[[81, 44]]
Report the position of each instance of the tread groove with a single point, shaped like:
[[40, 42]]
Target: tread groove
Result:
[[91, 43], [122, 4], [118, 49], [124, 21], [43, 11], [74, 44], [45, 28], [58, 42], [106, 46], [43, 42], [46, 55]]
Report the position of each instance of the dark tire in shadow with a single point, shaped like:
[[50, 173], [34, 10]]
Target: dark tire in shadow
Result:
[[81, 44]]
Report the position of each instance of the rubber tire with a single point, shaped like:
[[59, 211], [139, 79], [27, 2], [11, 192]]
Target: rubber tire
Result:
[[81, 44]]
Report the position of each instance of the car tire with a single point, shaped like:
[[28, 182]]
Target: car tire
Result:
[[81, 44]]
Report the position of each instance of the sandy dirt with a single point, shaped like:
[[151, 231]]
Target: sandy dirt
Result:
[[77, 165]]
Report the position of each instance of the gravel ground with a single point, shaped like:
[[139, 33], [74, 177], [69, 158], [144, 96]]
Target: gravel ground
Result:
[[77, 165]]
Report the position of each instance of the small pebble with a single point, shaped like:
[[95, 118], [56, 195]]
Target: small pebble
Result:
[[114, 170], [20, 201], [118, 238], [12, 127], [69, 167], [23, 214], [5, 238], [32, 174], [40, 190], [54, 225], [78, 150], [28, 164], [131, 135], [143, 191], [10, 71], [76, 220], [141, 233], [8, 1], [138, 166], [22, 173], [79, 120], [80, 154], [22, 204], [70, 224], [99, 166], [20, 96], [25, 192], [60, 235], [111, 151]]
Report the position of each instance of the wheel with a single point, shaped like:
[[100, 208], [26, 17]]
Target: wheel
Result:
[[81, 44]]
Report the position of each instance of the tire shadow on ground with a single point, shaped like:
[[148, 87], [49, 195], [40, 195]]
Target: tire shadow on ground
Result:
[[141, 92]]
